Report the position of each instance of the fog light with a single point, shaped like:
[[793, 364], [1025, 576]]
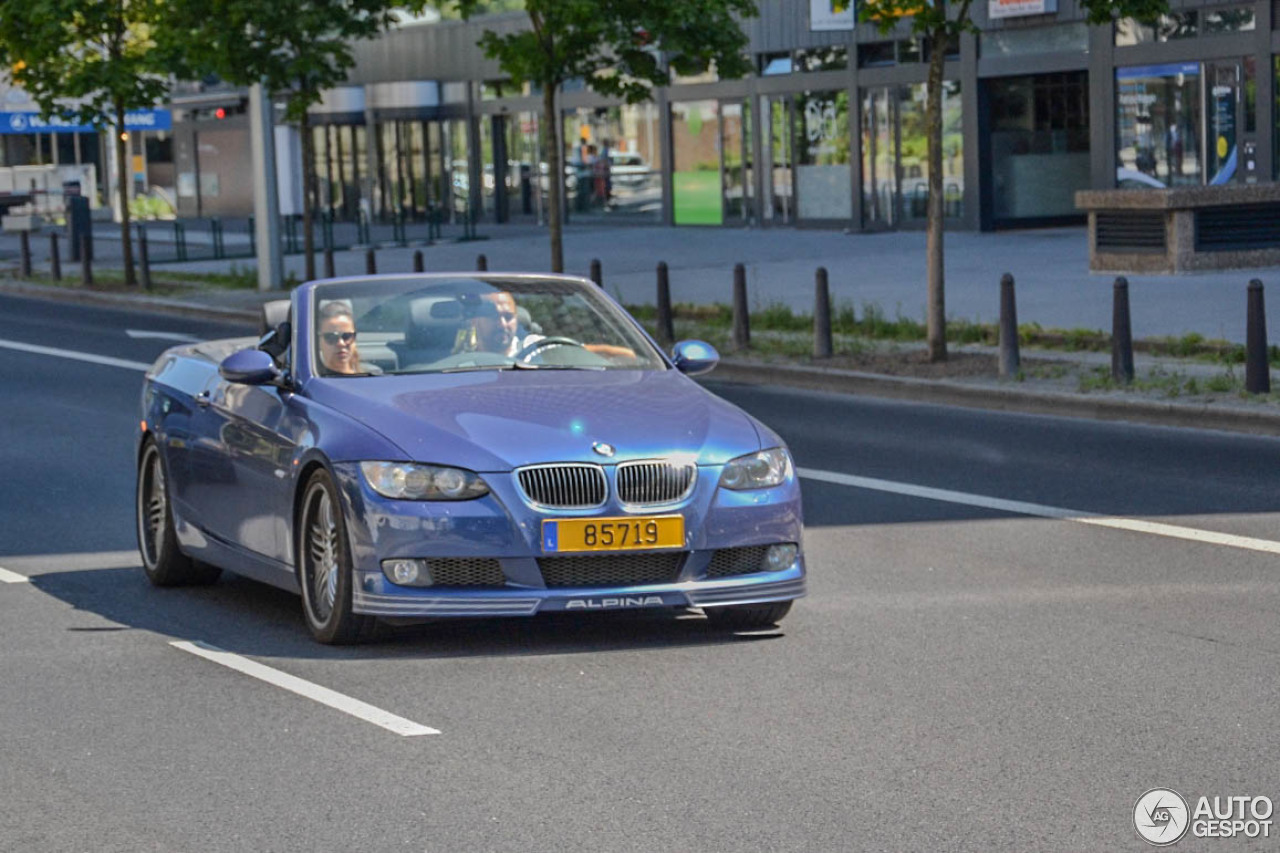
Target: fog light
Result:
[[407, 572], [780, 557]]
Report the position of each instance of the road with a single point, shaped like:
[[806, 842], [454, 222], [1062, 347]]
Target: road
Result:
[[967, 673]]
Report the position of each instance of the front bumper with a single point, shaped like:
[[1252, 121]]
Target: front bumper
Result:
[[502, 526]]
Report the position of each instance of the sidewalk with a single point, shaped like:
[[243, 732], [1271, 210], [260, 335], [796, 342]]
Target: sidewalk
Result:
[[1054, 286]]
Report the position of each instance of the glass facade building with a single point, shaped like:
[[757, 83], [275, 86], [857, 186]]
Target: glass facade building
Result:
[[828, 131]]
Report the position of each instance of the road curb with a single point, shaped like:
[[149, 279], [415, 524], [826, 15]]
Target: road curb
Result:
[[129, 300], [942, 392]]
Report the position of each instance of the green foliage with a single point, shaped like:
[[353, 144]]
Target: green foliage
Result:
[[85, 60], [296, 47], [613, 45]]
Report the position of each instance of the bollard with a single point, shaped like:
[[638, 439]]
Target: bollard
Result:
[[1121, 334], [1010, 359], [55, 260], [482, 263], [821, 314], [597, 274], [86, 261], [666, 331], [1257, 372], [418, 264], [370, 263], [741, 322], [24, 251], [144, 258], [329, 271]]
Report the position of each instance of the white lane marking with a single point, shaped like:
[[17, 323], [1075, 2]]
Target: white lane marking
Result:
[[1154, 528], [181, 337], [315, 692], [77, 356], [7, 576]]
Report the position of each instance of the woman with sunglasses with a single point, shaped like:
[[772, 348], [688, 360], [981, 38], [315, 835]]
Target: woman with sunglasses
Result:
[[338, 351]]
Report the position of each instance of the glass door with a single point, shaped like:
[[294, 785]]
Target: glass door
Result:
[[777, 195], [1222, 111], [733, 178], [881, 183]]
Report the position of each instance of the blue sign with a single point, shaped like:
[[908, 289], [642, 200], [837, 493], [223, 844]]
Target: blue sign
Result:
[[1170, 70], [29, 122]]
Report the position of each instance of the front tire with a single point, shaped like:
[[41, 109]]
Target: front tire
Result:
[[748, 617], [324, 567], [162, 559]]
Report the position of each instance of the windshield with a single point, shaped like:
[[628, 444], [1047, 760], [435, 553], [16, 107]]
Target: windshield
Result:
[[397, 326]]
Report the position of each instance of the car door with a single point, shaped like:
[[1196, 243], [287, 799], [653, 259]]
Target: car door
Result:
[[249, 430]]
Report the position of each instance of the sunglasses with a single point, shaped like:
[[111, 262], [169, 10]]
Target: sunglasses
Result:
[[332, 338]]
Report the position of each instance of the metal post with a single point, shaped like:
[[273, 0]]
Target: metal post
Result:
[[1257, 372], [86, 261], [266, 199], [1010, 359], [328, 262], [24, 251], [418, 265], [144, 257], [482, 263], [666, 331], [370, 263], [741, 321], [597, 273], [1121, 334], [821, 314], [215, 227], [55, 260]]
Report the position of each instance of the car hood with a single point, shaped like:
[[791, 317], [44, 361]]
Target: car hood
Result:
[[498, 420]]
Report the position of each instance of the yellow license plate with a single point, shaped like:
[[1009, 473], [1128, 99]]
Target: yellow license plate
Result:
[[636, 533]]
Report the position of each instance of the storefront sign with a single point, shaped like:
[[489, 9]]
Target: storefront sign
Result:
[[827, 15], [31, 122], [1019, 8]]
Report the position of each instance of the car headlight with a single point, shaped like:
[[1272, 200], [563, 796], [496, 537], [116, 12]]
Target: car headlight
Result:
[[757, 470], [411, 482]]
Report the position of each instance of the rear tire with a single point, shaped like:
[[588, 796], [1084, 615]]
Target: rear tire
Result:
[[162, 559], [747, 617], [324, 567]]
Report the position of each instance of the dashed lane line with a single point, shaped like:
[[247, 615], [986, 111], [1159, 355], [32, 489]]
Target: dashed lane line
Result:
[[75, 356], [7, 576], [307, 689], [1155, 528]]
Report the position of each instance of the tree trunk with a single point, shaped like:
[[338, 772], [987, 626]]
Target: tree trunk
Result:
[[937, 311], [308, 186], [122, 179], [555, 180]]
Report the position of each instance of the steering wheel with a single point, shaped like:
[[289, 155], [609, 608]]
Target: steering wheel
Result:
[[529, 349]]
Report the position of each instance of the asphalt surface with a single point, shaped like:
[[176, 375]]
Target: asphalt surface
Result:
[[962, 677]]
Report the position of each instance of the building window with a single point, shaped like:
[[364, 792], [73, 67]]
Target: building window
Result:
[[1158, 121], [773, 64], [1170, 27], [823, 174], [1217, 21], [823, 59], [1063, 38], [1039, 144], [877, 53]]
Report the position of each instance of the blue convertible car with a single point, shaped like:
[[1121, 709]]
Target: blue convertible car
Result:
[[413, 447]]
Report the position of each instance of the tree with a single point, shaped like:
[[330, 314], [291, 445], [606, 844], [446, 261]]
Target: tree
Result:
[[90, 61], [616, 47], [294, 48], [939, 25]]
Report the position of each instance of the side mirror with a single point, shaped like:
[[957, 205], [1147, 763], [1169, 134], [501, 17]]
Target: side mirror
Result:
[[694, 358], [249, 367]]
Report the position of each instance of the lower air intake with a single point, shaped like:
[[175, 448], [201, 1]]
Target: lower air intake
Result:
[[466, 572], [612, 569], [728, 562]]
